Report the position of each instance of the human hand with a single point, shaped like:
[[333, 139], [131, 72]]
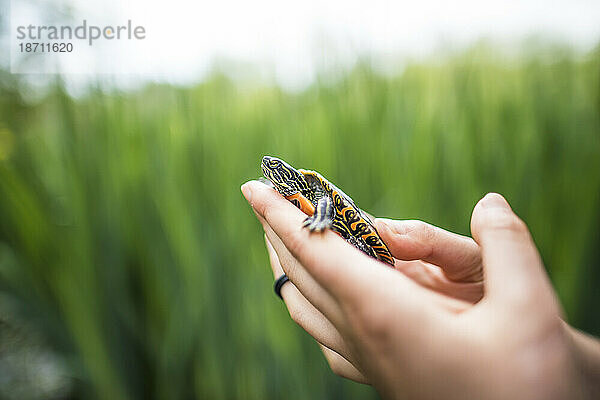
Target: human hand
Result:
[[414, 336], [442, 261]]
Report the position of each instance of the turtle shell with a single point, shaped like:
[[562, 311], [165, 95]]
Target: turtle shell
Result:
[[349, 221]]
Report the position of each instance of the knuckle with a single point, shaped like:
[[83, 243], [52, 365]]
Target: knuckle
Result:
[[414, 226], [422, 235], [423, 228], [426, 232], [421, 231]]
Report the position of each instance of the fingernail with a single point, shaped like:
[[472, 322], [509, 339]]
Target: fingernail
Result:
[[247, 192], [493, 200]]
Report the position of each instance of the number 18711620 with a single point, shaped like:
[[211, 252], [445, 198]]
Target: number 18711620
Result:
[[38, 47]]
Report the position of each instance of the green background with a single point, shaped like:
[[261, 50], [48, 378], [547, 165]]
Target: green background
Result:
[[132, 267]]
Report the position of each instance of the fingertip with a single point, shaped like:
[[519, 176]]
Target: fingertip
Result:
[[493, 200], [381, 224], [408, 229], [258, 195], [490, 211], [400, 227], [253, 185], [406, 239], [388, 231], [252, 189], [246, 189]]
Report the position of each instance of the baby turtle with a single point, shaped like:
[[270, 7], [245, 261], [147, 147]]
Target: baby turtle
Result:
[[326, 206]]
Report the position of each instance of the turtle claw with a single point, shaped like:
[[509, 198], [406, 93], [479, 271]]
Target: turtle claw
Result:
[[316, 225]]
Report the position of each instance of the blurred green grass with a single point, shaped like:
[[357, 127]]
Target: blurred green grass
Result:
[[126, 246]]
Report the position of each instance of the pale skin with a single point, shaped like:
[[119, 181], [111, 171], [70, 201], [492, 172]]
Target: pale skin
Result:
[[457, 317]]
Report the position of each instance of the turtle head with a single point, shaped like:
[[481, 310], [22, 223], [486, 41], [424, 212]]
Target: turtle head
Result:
[[287, 179]]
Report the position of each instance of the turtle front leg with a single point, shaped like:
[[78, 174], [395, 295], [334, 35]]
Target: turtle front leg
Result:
[[322, 217]]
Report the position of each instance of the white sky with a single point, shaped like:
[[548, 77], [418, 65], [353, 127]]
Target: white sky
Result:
[[288, 41]]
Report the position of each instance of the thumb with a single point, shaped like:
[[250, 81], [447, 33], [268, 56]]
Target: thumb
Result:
[[512, 265]]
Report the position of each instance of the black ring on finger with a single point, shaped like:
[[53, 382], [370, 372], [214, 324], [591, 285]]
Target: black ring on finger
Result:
[[279, 283]]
